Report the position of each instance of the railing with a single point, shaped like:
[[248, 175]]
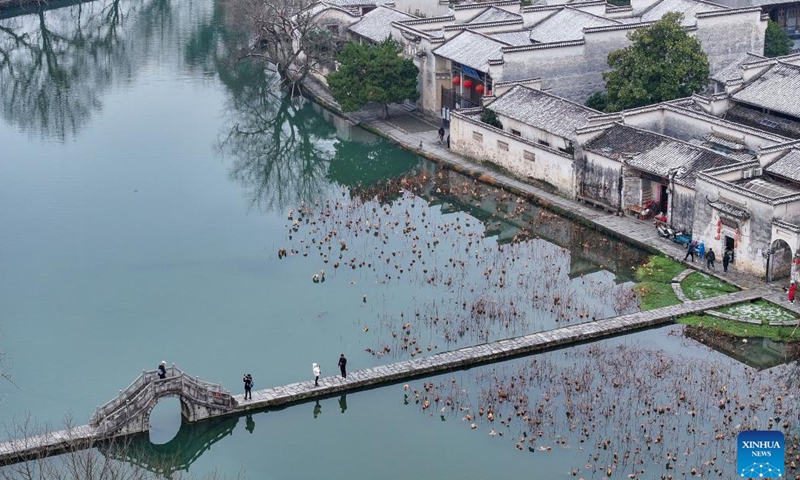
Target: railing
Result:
[[137, 396]]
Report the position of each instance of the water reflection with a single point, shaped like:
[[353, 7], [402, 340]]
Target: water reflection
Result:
[[177, 454], [249, 424], [757, 352], [317, 409], [343, 403], [56, 64]]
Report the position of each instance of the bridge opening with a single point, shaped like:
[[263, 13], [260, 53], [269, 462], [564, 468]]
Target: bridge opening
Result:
[[165, 420]]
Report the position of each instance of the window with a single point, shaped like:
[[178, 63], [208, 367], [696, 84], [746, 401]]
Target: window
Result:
[[333, 29], [502, 145], [544, 142], [477, 136], [515, 132], [529, 156]]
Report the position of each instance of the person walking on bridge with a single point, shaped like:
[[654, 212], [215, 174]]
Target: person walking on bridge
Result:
[[343, 365], [162, 370], [248, 386], [316, 371]]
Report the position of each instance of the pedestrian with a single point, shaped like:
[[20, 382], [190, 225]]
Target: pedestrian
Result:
[[710, 257], [248, 386], [315, 370], [726, 260], [441, 134], [342, 365], [448, 140], [792, 290], [689, 251], [162, 370], [701, 251]]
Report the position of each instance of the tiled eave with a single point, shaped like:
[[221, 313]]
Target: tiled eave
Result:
[[499, 23], [729, 209], [747, 193], [786, 226], [484, 5], [422, 21]]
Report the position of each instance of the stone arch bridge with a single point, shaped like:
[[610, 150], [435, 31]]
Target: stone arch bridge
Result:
[[129, 412]]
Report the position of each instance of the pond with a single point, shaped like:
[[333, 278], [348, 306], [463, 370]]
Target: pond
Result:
[[161, 200]]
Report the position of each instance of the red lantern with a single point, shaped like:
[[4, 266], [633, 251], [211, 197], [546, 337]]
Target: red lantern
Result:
[[479, 88], [467, 83], [488, 92], [456, 80]]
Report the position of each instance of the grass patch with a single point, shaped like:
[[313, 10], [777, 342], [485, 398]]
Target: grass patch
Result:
[[654, 282], [699, 285], [739, 329], [759, 310]]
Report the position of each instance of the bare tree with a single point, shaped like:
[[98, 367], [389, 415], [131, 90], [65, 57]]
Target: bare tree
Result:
[[287, 34]]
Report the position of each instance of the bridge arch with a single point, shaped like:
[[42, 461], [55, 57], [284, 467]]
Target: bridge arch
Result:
[[130, 411]]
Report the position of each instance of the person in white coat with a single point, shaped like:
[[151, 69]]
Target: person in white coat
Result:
[[315, 370]]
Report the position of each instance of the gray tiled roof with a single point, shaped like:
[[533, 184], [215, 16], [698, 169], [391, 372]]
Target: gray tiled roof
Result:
[[752, 117], [776, 89], [516, 38], [656, 154], [763, 186], [687, 7], [494, 14], [357, 3], [377, 24], [788, 166], [733, 71], [543, 111], [565, 25], [731, 210], [471, 49]]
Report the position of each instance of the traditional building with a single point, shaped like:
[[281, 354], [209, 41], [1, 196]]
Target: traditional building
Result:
[[753, 210], [535, 140]]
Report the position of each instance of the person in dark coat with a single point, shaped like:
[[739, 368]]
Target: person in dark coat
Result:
[[248, 386], [162, 370], [689, 251], [726, 260], [441, 134], [710, 257], [342, 365]]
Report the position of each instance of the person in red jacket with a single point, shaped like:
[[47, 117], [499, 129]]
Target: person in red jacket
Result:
[[792, 290]]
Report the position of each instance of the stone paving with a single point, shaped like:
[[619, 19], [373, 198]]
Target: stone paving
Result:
[[490, 352]]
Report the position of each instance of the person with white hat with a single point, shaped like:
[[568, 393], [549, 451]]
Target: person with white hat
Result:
[[162, 369]]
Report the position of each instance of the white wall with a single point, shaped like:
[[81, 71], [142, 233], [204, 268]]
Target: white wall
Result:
[[547, 165]]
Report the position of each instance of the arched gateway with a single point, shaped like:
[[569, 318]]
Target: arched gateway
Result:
[[129, 412], [780, 266]]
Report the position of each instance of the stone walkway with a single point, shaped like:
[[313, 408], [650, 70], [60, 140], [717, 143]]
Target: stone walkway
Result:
[[490, 352], [43, 445]]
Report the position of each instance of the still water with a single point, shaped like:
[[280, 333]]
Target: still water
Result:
[[149, 186]]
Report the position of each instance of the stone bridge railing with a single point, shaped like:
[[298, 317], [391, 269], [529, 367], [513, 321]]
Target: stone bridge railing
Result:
[[129, 412]]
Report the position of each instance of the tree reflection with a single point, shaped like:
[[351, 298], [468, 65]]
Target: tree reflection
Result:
[[280, 147], [56, 64]]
